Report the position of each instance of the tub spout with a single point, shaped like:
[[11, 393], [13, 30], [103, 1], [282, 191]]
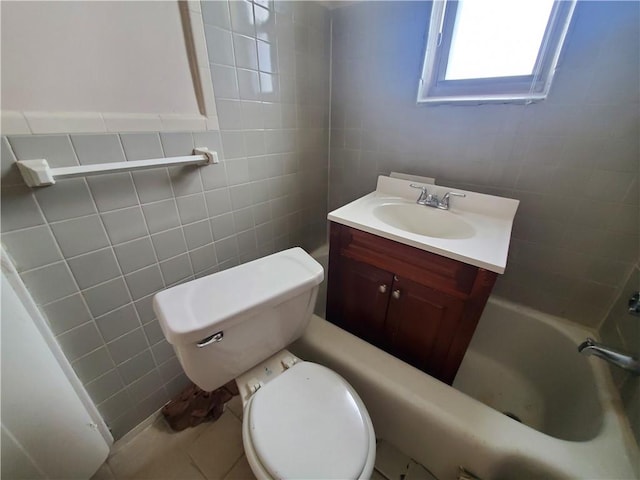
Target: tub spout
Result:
[[622, 360]]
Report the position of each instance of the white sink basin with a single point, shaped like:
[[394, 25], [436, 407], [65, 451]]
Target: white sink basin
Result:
[[476, 230], [423, 220]]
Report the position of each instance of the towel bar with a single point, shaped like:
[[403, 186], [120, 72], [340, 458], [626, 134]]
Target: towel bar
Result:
[[37, 173]]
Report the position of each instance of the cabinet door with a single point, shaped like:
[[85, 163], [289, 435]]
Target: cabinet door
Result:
[[421, 324], [361, 294]]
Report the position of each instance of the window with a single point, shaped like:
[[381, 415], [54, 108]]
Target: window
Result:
[[493, 51]]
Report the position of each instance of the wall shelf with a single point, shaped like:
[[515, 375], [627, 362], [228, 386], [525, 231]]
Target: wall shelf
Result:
[[38, 173]]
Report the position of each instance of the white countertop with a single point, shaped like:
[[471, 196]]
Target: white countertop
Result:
[[490, 217]]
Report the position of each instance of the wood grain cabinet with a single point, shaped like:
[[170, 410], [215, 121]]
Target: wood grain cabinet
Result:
[[420, 307]]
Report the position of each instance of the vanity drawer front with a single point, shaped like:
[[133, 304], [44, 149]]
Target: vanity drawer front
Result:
[[417, 265]]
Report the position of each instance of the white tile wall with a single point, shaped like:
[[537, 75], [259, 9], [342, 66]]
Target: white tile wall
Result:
[[621, 330], [94, 251]]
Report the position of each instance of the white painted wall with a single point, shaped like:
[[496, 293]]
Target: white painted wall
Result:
[[127, 57], [48, 429]]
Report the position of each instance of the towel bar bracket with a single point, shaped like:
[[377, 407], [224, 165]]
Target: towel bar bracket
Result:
[[36, 173], [212, 157]]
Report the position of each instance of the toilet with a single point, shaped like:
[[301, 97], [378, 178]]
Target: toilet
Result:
[[300, 420]]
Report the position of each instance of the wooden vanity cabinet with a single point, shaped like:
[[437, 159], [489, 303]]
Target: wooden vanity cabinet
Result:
[[418, 306]]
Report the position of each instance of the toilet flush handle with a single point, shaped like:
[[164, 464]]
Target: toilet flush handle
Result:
[[215, 338]]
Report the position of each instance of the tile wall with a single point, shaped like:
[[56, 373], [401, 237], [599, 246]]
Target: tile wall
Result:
[[621, 331], [572, 160], [93, 251]]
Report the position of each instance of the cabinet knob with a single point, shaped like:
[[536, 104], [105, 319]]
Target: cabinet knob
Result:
[[396, 294], [382, 288]]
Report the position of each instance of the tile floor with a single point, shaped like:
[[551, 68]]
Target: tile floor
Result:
[[213, 451]]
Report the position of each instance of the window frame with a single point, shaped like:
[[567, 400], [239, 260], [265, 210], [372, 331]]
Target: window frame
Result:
[[434, 89]]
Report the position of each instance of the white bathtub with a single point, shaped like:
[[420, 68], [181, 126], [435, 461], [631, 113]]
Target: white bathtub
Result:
[[521, 362], [527, 365], [321, 255]]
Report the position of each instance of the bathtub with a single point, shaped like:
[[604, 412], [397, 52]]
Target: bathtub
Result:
[[321, 255], [526, 365], [521, 364]]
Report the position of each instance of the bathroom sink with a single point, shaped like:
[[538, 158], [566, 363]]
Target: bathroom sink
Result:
[[475, 230], [423, 220]]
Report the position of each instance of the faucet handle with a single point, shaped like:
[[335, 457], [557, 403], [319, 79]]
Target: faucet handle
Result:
[[424, 195], [454, 194], [444, 203]]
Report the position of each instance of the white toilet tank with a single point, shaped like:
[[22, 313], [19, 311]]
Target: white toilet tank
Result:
[[223, 324]]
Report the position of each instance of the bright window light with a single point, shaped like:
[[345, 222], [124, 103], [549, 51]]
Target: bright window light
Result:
[[497, 38], [493, 51]]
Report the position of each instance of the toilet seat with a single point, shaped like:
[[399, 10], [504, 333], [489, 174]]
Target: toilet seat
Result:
[[308, 423]]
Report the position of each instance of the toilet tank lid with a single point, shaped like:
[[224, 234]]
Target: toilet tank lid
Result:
[[194, 310]]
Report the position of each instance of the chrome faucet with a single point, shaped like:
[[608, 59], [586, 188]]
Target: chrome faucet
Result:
[[430, 200], [622, 360], [424, 195]]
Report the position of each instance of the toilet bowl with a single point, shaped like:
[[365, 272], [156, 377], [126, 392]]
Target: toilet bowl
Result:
[[301, 420]]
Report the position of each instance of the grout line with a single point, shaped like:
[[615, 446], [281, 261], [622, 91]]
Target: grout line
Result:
[[73, 278], [123, 280], [107, 212], [206, 207], [195, 464], [146, 226], [175, 203], [73, 149], [226, 474], [115, 368], [76, 327], [89, 353]]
